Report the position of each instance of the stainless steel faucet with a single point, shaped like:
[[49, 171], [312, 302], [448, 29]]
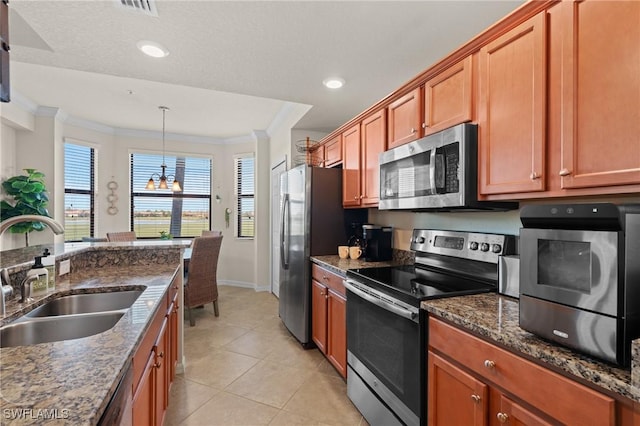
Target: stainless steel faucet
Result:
[[6, 288], [56, 227]]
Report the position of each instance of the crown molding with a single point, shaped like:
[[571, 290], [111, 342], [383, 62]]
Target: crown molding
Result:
[[23, 102], [33, 108]]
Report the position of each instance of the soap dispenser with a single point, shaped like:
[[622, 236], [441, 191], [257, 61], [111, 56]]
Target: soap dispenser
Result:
[[49, 262], [38, 275]]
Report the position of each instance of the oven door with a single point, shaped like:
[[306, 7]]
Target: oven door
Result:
[[577, 268], [384, 349]]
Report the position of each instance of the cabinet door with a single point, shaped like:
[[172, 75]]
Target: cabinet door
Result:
[[337, 332], [161, 381], [333, 152], [374, 133], [319, 315], [601, 94], [351, 191], [143, 400], [512, 108], [173, 339], [515, 414], [455, 397], [448, 98], [405, 119]]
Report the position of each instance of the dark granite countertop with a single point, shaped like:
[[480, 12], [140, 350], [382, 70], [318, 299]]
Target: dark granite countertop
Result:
[[340, 266], [71, 382], [496, 319]]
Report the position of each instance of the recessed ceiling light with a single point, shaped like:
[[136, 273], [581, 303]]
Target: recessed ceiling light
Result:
[[333, 83], [153, 49]]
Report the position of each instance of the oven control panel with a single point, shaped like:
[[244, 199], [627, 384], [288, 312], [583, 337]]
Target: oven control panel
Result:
[[466, 245]]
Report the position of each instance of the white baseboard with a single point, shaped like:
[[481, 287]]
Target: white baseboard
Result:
[[243, 284]]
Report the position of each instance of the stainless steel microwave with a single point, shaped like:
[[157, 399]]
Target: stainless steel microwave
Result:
[[437, 172], [580, 276]]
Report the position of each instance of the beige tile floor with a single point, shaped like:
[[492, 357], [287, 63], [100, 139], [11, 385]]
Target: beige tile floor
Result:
[[244, 368]]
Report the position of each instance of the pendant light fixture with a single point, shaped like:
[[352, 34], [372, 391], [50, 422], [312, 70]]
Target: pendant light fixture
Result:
[[163, 178]]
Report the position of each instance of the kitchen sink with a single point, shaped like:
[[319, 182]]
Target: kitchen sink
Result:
[[42, 330], [86, 303]]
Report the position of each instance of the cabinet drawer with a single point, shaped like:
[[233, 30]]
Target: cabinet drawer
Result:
[[331, 280], [558, 396]]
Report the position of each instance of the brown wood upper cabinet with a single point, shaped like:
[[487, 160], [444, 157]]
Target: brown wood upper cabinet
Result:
[[333, 152], [559, 104], [361, 147], [405, 119], [600, 94], [351, 167], [511, 114], [448, 97]]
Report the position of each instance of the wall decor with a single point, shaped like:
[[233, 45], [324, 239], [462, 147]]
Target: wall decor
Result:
[[112, 198]]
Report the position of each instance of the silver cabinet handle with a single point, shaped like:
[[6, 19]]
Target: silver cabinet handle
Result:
[[564, 172], [534, 176]]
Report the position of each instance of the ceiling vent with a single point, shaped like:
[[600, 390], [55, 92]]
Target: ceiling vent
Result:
[[147, 7]]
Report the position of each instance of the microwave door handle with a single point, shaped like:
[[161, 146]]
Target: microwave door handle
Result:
[[432, 171], [405, 313]]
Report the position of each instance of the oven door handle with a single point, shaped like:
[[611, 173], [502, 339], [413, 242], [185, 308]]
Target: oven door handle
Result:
[[405, 313]]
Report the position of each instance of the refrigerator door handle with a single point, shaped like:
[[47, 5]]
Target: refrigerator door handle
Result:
[[284, 247]]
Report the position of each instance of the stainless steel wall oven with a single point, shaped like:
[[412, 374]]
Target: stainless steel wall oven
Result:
[[386, 330], [580, 276]]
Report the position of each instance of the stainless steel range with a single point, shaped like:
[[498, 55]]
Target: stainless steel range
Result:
[[386, 329]]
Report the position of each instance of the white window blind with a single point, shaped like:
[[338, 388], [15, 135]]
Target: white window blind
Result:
[[245, 193], [79, 191], [181, 214]]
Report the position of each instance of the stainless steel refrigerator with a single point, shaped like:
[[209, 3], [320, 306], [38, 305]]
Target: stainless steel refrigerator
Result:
[[312, 222]]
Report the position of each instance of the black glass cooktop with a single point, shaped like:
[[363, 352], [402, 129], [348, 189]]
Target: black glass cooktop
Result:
[[413, 284]]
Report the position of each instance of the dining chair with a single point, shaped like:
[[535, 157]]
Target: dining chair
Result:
[[211, 233], [121, 236], [201, 284]]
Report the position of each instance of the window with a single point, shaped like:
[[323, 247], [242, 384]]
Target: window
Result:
[[245, 193], [181, 214], [79, 187]]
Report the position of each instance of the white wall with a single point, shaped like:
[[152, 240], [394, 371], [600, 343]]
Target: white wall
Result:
[[492, 222], [280, 132], [42, 148]]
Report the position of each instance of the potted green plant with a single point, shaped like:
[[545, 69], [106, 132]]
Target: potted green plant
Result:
[[30, 197], [164, 235]]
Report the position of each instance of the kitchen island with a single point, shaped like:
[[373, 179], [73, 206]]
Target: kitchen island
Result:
[[72, 381]]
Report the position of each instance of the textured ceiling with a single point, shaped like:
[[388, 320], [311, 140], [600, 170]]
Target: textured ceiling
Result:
[[232, 64]]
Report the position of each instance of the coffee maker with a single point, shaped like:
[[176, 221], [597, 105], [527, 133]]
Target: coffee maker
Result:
[[376, 242]]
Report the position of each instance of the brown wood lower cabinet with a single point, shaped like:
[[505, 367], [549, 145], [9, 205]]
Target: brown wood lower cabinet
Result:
[[328, 316], [473, 382], [154, 364]]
